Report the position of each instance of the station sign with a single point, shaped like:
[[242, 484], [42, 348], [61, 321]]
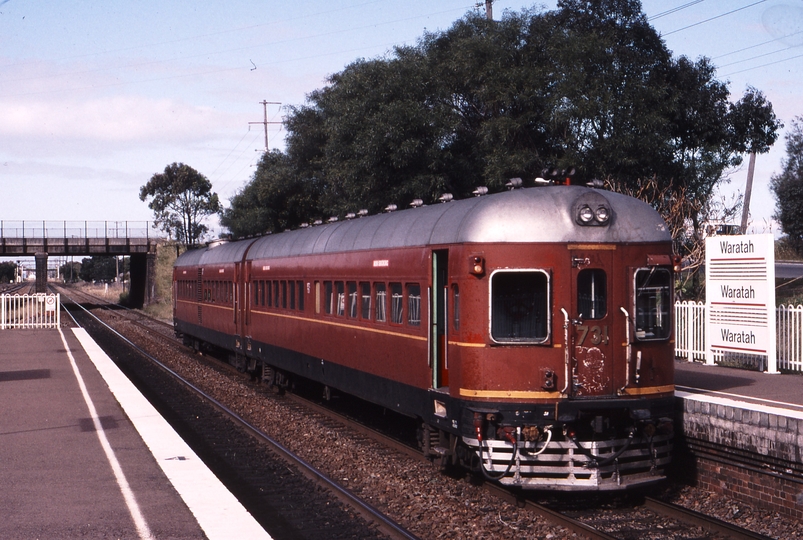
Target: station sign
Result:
[[740, 296]]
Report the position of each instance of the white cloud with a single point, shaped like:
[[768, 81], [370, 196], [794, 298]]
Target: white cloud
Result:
[[116, 119]]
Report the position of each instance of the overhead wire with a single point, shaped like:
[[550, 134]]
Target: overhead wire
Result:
[[224, 51], [713, 18], [673, 10]]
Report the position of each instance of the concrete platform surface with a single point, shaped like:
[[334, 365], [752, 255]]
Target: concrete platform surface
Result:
[[83, 454], [779, 390]]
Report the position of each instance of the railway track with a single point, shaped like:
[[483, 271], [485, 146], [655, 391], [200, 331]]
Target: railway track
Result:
[[664, 520], [286, 494]]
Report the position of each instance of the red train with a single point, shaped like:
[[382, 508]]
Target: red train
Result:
[[530, 331]]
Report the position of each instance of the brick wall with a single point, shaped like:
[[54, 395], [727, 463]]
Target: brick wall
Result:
[[753, 456]]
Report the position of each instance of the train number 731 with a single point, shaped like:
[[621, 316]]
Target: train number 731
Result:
[[595, 334]]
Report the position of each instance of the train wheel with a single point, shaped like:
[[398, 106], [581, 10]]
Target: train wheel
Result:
[[272, 379]]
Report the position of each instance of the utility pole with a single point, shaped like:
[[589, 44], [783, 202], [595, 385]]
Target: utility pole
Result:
[[265, 121], [751, 168], [489, 12]]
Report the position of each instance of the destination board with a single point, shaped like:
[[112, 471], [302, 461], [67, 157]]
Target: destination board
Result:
[[740, 295]]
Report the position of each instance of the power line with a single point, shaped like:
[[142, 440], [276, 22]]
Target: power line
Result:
[[234, 49], [763, 65], [673, 10], [713, 18], [753, 58]]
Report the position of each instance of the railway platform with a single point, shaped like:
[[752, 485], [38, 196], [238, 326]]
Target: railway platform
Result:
[[744, 431], [83, 454]]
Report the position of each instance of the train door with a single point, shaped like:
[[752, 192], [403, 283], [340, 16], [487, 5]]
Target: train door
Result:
[[592, 366], [438, 334], [239, 299]]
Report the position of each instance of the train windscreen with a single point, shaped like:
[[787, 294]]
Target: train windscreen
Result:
[[519, 306]]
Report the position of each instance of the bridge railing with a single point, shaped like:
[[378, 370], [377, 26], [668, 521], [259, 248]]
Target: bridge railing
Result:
[[30, 311], [77, 229]]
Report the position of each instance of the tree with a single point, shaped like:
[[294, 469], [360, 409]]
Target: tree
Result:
[[181, 198], [590, 86], [8, 271], [275, 199], [70, 271], [99, 268], [787, 186]]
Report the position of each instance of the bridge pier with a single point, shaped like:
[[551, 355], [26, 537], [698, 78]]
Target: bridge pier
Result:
[[41, 272], [143, 279]]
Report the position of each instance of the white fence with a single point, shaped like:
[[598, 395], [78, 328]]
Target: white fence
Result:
[[30, 311], [690, 334]]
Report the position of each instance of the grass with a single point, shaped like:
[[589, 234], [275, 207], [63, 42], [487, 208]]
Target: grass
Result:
[[162, 307]]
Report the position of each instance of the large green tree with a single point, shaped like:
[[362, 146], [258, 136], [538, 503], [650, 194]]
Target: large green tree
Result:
[[787, 186], [181, 198], [98, 268], [590, 85], [275, 199], [8, 271]]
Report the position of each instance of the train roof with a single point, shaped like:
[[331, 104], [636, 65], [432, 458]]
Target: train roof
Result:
[[545, 214]]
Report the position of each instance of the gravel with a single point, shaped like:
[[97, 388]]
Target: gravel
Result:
[[416, 494]]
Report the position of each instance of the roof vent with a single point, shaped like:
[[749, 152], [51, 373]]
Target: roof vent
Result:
[[351, 215], [446, 197], [362, 213], [596, 183], [317, 222], [390, 208], [480, 191], [332, 219], [417, 203], [304, 225], [514, 183]]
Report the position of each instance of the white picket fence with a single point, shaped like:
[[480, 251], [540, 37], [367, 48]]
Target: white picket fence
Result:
[[690, 334], [30, 311]]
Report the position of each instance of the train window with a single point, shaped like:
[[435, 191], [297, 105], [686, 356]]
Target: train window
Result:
[[456, 307], [292, 291], [396, 303], [255, 285], [519, 306], [268, 295], [381, 302], [275, 294], [284, 294], [413, 304], [351, 287], [653, 303], [300, 286], [317, 297], [328, 297], [341, 298], [592, 296], [365, 289], [263, 294]]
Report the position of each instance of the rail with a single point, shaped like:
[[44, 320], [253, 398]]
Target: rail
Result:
[[30, 311]]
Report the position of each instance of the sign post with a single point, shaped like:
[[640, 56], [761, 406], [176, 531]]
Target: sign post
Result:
[[740, 296]]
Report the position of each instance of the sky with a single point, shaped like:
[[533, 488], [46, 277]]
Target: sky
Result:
[[96, 97]]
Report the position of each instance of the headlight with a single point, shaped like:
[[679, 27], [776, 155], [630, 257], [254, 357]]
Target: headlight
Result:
[[603, 214], [586, 214]]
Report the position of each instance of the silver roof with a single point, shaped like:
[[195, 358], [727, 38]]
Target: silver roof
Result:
[[545, 214]]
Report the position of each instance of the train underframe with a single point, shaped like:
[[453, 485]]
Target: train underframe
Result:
[[573, 445]]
